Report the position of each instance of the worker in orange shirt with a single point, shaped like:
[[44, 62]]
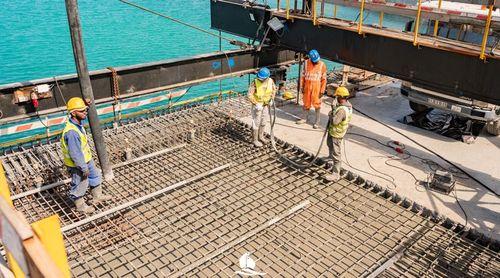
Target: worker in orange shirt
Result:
[[312, 85]]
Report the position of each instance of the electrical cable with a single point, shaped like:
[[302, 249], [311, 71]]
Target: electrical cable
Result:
[[176, 20], [393, 180], [429, 150], [361, 170]]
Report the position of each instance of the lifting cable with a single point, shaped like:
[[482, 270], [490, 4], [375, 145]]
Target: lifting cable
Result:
[[177, 21]]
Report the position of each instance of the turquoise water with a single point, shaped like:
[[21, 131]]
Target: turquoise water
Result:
[[36, 43]]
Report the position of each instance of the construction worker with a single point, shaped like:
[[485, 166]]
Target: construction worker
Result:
[[340, 117], [312, 85], [78, 158], [260, 93]]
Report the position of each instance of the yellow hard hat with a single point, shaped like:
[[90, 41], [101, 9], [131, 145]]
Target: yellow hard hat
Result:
[[76, 103], [288, 95], [341, 92]]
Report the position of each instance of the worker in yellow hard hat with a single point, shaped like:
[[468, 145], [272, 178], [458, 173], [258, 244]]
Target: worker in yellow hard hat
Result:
[[339, 120], [78, 158]]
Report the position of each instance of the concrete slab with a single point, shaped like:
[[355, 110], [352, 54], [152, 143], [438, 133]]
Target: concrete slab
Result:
[[373, 161]]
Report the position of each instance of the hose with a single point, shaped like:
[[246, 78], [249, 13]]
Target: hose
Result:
[[272, 119], [429, 150]]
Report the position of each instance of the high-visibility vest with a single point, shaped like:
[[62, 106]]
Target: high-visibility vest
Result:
[[87, 155], [339, 130], [263, 90], [314, 72]]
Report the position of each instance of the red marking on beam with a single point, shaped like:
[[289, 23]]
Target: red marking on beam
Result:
[[107, 110], [23, 127], [55, 121]]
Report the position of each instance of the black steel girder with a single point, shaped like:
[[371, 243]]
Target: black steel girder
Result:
[[444, 71], [145, 78]]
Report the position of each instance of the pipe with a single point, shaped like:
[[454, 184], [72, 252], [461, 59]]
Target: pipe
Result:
[[86, 87]]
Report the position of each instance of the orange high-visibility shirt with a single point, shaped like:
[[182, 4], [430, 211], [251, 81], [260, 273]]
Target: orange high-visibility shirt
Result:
[[313, 82]]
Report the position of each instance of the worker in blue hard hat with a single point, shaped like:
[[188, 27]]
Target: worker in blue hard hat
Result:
[[313, 86], [260, 93], [338, 124], [78, 158]]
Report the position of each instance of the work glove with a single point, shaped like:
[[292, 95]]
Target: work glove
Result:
[[259, 107]]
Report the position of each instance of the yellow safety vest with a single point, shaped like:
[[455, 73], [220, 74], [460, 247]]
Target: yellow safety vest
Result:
[[339, 130], [87, 155], [263, 90]]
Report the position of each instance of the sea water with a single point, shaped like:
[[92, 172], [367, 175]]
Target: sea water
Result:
[[35, 41]]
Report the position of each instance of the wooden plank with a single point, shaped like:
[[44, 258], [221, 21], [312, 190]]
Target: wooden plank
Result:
[[40, 263]]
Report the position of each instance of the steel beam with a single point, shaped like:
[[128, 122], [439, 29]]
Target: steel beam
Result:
[[453, 73], [144, 78]]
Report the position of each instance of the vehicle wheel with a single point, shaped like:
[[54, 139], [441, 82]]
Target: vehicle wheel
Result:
[[493, 127], [417, 107]]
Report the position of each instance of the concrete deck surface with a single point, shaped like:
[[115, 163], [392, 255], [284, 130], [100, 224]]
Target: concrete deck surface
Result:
[[480, 159]]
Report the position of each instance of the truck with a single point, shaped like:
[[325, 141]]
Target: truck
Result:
[[421, 98]]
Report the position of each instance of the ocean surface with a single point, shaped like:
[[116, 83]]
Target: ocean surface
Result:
[[35, 41]]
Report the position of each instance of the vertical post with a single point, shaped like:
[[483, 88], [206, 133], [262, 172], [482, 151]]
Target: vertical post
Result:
[[360, 24], [322, 8], [220, 50], [486, 32], [278, 5], [86, 88], [295, 5], [345, 75], [381, 20], [298, 79], [287, 9], [436, 22], [334, 11], [417, 23], [314, 11]]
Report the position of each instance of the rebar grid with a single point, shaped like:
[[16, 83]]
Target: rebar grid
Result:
[[204, 227], [41, 165]]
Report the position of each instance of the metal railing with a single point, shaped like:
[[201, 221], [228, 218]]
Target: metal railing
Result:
[[317, 11]]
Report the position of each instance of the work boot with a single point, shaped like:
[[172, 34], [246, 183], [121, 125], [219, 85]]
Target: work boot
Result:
[[332, 177], [81, 206], [256, 141], [303, 118], [98, 197], [262, 137], [317, 118]]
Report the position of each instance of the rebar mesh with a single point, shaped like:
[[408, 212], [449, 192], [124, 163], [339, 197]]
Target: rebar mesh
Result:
[[291, 220]]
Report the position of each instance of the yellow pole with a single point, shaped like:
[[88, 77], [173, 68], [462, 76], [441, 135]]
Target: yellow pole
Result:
[[314, 11], [436, 22], [417, 23], [360, 24], [485, 34], [334, 11], [381, 19], [287, 9]]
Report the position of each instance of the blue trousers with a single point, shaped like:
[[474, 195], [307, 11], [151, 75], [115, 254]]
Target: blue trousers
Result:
[[79, 185]]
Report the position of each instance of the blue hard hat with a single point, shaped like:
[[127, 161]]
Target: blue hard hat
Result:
[[314, 56], [263, 73]]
